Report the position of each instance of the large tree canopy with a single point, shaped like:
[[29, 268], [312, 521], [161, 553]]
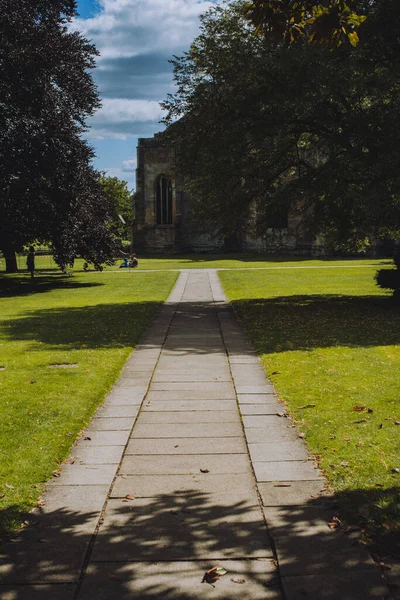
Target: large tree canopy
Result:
[[298, 127], [49, 190]]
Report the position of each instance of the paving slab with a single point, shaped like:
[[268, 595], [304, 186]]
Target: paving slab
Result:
[[303, 520], [256, 435], [268, 398], [272, 452], [265, 388], [229, 445], [186, 430], [111, 424], [116, 411], [213, 387], [267, 421], [181, 581], [43, 560], [290, 493], [261, 409], [205, 416], [145, 529], [185, 464], [189, 405], [77, 474], [242, 486], [104, 438], [286, 470], [320, 553], [191, 394], [357, 585], [96, 455], [38, 592]]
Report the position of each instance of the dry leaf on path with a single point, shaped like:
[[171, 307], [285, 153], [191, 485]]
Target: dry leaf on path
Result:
[[213, 574], [237, 580], [128, 497], [204, 470]]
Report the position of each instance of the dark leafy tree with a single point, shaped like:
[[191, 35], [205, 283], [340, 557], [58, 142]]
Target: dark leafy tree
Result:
[[121, 205], [49, 191], [266, 128], [330, 23]]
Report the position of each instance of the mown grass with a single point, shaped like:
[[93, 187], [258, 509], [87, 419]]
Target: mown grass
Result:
[[206, 261], [330, 342], [90, 320]]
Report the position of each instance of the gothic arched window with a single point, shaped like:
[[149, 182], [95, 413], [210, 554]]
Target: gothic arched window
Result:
[[163, 201]]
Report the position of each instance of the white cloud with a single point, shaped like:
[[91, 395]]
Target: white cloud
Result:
[[136, 38], [129, 166], [131, 27], [120, 118]]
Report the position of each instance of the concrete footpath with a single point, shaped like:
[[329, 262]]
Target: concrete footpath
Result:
[[190, 463]]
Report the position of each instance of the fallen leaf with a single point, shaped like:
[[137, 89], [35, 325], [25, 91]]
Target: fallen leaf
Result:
[[344, 463], [9, 486], [129, 497], [332, 437], [301, 435], [275, 373], [204, 471], [177, 446], [307, 406], [395, 470], [380, 426], [237, 580], [56, 473], [397, 422], [359, 408], [370, 410], [334, 523], [385, 566], [281, 414], [87, 438], [213, 575], [360, 421], [2, 495]]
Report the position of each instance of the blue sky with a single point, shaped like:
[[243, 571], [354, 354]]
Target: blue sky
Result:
[[135, 38]]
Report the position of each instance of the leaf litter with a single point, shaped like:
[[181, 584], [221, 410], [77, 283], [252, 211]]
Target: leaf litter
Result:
[[213, 574]]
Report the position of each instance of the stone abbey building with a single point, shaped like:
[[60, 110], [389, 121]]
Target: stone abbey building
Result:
[[164, 219]]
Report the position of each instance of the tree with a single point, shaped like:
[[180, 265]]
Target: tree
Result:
[[49, 190], [327, 22], [267, 127], [122, 204]]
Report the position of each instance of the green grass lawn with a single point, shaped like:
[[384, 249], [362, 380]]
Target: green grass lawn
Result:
[[330, 341], [92, 320], [207, 261]]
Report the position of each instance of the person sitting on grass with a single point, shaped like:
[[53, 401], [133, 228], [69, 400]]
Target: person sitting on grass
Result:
[[30, 261]]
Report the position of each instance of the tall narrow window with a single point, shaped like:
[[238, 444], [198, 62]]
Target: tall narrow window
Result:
[[163, 201]]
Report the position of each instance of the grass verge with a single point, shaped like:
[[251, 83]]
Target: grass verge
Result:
[[92, 321], [330, 342], [208, 261]]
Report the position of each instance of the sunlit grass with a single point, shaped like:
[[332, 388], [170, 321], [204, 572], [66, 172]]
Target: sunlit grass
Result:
[[90, 320], [330, 342]]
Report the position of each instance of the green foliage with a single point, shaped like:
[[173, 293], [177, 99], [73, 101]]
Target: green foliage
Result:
[[49, 189], [263, 128], [121, 204], [330, 23]]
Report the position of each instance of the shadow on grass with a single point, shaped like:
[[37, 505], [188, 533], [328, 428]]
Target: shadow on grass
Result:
[[21, 285], [99, 326], [305, 322], [256, 258], [161, 546]]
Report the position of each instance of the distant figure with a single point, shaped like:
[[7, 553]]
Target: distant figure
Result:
[[133, 260], [30, 261], [125, 263]]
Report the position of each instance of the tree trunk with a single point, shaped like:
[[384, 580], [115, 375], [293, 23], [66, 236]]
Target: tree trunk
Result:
[[10, 258]]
